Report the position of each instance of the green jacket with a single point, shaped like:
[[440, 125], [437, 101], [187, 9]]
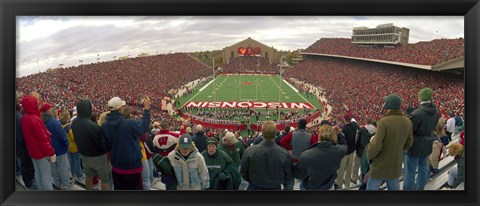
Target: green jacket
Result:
[[240, 147], [394, 136], [232, 153], [163, 165], [233, 183], [215, 164]]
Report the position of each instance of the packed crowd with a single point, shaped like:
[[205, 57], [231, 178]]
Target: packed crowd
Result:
[[361, 85], [127, 154], [423, 53], [131, 79], [249, 64], [241, 115]]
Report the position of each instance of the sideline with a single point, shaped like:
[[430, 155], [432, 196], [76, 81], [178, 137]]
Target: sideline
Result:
[[200, 91]]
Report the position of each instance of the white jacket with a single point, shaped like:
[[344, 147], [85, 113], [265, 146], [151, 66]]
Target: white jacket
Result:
[[191, 173]]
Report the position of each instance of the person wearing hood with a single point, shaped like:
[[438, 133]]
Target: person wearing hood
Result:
[[61, 168], [189, 166], [38, 142], [424, 120], [121, 138], [89, 144], [26, 165], [385, 151]]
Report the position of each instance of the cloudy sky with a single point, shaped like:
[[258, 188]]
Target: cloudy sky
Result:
[[46, 42]]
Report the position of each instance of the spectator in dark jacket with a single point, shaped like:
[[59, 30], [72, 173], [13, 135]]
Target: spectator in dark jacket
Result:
[[279, 138], [61, 168], [364, 135], [267, 166], [329, 152], [121, 138], [89, 143], [26, 165], [200, 138], [424, 120], [346, 166]]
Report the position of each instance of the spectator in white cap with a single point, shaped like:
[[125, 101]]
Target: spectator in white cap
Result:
[[156, 128], [228, 146], [121, 137], [200, 138], [74, 113]]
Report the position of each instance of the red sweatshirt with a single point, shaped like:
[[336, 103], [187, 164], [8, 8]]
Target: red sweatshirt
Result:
[[37, 137]]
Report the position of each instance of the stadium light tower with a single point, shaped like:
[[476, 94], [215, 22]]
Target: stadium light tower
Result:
[[280, 85], [214, 92]]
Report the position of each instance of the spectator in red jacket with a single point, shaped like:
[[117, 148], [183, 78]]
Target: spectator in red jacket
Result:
[[38, 142]]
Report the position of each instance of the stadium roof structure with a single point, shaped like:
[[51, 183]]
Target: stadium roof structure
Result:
[[438, 52], [249, 39]]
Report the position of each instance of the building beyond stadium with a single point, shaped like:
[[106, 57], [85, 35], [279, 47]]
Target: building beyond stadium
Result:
[[251, 47]]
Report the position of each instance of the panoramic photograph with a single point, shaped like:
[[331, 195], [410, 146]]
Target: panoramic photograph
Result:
[[240, 103]]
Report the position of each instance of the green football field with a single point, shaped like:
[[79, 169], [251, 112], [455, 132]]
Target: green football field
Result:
[[249, 88]]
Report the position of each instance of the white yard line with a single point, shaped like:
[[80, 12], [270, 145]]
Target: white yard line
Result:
[[297, 92], [200, 90]]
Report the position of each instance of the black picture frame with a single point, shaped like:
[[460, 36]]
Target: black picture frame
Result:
[[9, 9]]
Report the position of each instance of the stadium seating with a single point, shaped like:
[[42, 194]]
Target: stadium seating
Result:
[[423, 53], [249, 64], [362, 85], [128, 79]]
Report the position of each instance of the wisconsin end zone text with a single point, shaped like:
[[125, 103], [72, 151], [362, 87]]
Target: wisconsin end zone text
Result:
[[252, 105]]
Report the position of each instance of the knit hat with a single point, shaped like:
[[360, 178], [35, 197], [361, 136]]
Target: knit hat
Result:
[[115, 103], [212, 140], [425, 94], [392, 101], [45, 107], [185, 141], [230, 137]]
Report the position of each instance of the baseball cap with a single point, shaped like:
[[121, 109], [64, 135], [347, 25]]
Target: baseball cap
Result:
[[185, 141], [392, 101], [115, 103], [212, 140], [348, 116], [46, 107]]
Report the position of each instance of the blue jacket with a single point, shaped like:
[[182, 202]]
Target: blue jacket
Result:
[[59, 136], [20, 141], [120, 137]]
